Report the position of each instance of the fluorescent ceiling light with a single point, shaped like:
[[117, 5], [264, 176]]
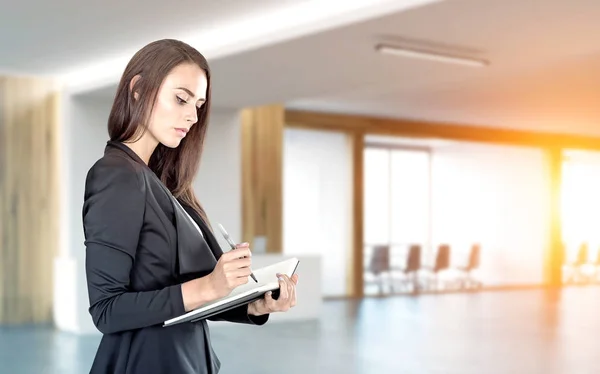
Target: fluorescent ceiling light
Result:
[[431, 56]]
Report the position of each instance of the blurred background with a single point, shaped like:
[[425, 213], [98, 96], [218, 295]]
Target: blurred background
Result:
[[434, 165]]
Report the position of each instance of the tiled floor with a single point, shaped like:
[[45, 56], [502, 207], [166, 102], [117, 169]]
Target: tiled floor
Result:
[[530, 331]]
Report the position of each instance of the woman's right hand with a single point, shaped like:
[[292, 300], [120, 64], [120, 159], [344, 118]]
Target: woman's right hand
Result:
[[232, 270]]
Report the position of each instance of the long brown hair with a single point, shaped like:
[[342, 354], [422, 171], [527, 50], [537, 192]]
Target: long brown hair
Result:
[[176, 167]]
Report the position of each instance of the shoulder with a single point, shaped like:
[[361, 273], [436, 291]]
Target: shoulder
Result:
[[114, 171]]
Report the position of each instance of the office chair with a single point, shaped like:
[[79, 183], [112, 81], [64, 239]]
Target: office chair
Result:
[[379, 265], [467, 280], [576, 275], [442, 262], [411, 270]]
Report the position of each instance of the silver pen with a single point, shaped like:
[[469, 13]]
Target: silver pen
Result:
[[232, 244]]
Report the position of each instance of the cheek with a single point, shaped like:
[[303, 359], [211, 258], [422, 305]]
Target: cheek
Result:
[[164, 116]]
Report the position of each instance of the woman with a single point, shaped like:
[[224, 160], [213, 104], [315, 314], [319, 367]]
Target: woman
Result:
[[150, 252]]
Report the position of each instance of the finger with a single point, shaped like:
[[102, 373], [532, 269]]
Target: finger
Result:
[[241, 252], [243, 245], [293, 298], [291, 291], [243, 272], [237, 253], [269, 298], [270, 303], [295, 278], [290, 286], [288, 280], [283, 290], [237, 264]]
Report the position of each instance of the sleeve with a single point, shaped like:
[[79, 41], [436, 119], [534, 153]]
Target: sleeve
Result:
[[113, 213], [240, 315]]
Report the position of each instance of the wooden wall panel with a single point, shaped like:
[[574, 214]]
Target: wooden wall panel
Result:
[[262, 175], [356, 268], [554, 254], [417, 129], [29, 198]]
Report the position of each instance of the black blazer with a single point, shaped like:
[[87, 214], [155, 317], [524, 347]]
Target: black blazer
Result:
[[140, 247]]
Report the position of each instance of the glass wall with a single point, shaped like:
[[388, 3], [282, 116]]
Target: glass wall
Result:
[[444, 215], [580, 204], [396, 207], [496, 197], [437, 214]]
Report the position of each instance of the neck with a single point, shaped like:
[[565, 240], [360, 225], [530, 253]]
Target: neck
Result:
[[144, 147]]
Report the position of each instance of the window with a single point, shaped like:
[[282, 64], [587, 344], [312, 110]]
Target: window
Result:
[[396, 205]]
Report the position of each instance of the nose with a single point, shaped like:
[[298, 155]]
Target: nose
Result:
[[192, 115]]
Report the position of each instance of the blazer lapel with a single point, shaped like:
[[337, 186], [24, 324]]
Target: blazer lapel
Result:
[[195, 257], [208, 234]]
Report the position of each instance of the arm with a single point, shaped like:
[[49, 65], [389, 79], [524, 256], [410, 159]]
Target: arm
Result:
[[113, 214], [112, 307]]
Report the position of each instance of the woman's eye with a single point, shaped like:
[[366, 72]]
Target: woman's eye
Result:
[[180, 100]]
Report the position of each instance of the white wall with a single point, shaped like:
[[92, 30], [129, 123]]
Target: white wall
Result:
[[84, 138], [218, 184], [317, 202]]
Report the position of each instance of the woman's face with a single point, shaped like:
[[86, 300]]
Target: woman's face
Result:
[[182, 92]]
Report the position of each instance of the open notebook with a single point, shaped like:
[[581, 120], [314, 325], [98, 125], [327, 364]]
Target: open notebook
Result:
[[244, 294]]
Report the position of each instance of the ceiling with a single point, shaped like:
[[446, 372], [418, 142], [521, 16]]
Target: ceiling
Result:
[[543, 74], [50, 38]]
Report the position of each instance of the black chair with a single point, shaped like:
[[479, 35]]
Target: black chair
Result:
[[379, 265]]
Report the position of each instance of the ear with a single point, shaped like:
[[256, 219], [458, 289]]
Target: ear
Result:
[[132, 84]]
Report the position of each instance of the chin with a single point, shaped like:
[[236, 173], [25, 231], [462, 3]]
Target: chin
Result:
[[171, 143]]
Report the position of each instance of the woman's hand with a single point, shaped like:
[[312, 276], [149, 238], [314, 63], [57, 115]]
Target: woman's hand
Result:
[[285, 301], [232, 270]]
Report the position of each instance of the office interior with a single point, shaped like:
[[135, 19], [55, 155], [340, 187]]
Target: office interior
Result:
[[434, 165]]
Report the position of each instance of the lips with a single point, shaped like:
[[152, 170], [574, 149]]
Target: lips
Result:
[[181, 131]]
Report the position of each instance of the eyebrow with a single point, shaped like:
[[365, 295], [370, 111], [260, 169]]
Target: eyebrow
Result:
[[189, 93]]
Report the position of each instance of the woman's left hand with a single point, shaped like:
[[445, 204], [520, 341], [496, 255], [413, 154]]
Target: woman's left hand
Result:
[[285, 301]]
